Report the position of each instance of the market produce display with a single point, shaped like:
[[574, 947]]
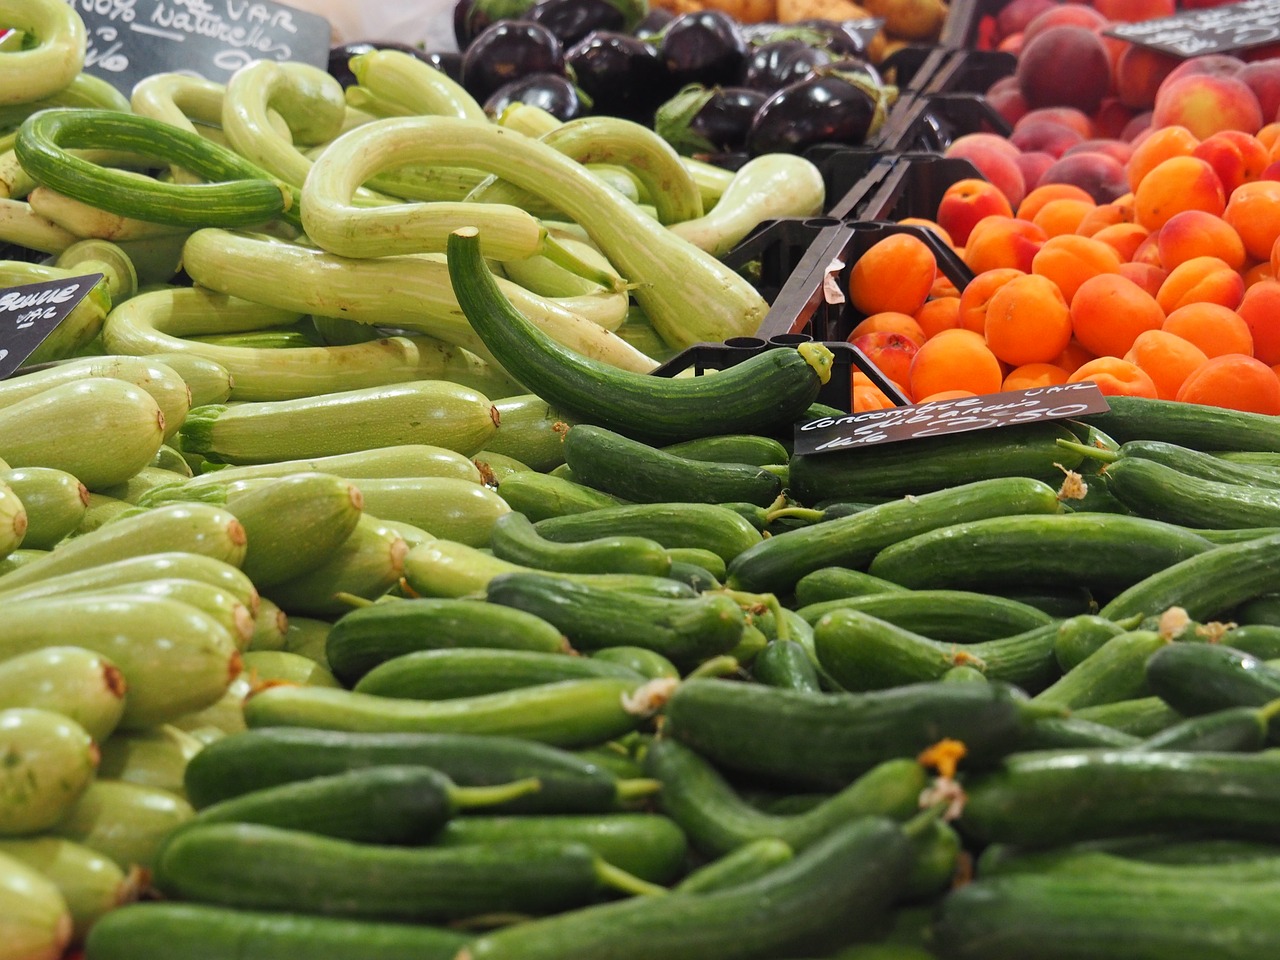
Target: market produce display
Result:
[[366, 596]]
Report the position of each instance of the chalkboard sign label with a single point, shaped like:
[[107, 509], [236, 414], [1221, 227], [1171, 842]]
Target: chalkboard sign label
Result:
[[132, 39], [29, 313], [839, 434], [1192, 33]]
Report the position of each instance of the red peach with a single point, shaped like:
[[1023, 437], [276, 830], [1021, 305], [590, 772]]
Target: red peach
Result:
[[1205, 104], [1065, 66]]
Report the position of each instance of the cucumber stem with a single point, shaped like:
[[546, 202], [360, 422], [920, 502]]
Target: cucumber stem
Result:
[[1269, 711], [467, 797], [637, 788], [618, 879], [722, 666], [353, 600], [1086, 450], [795, 513], [781, 629]]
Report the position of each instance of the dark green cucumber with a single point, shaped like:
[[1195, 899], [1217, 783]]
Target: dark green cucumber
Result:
[[1188, 424], [540, 495], [741, 865], [777, 563], [732, 448], [1067, 916], [786, 664], [1164, 493], [1115, 671], [367, 636], [952, 616], [516, 539], [684, 631], [706, 525], [635, 471], [1056, 601], [1206, 585], [836, 891], [387, 804], [1139, 717], [256, 867], [1234, 729], [768, 390], [1264, 609], [1196, 678], [863, 652], [1261, 640], [1049, 797], [647, 845], [641, 660], [707, 560], [1197, 463], [827, 740], [1101, 551], [1114, 862], [1056, 733], [836, 583], [473, 671], [198, 931], [1082, 635], [934, 463], [717, 819], [258, 759], [691, 574]]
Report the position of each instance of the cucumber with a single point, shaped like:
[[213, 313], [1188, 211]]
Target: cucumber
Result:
[[49, 762], [35, 920], [515, 539], [949, 616], [645, 662], [394, 805], [54, 502], [769, 390], [707, 560], [853, 541], [82, 685], [1053, 733], [531, 431], [1043, 798], [1115, 671], [92, 885], [106, 430], [827, 740], [260, 867], [1197, 463], [191, 528], [1141, 717], [568, 713], [366, 564], [1231, 729], [1082, 635], [719, 820], [398, 460], [1196, 678], [450, 673], [685, 631], [152, 757], [1164, 493], [258, 759], [1187, 424], [449, 507], [935, 463], [174, 658], [540, 496], [749, 448], [647, 845], [434, 412], [198, 931], [836, 891], [1100, 551], [709, 526], [124, 821], [837, 583], [362, 639], [742, 865], [640, 473], [786, 664]]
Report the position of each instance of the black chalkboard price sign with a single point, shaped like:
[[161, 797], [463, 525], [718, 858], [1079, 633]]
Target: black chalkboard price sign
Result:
[[29, 313], [132, 39], [917, 422], [1236, 26]]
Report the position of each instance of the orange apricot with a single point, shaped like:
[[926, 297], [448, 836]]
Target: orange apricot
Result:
[[1253, 209], [1003, 242], [1160, 145], [893, 274], [938, 314], [1123, 238], [1038, 197], [1027, 321], [1260, 310], [1167, 359], [1109, 311], [1177, 184], [1070, 260], [1235, 381], [1034, 375], [1201, 280], [903, 324], [1063, 215], [977, 293], [1116, 377], [1194, 233], [1213, 328], [955, 360]]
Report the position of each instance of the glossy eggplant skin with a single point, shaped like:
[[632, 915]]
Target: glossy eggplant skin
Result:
[[552, 92], [571, 20], [623, 75], [506, 51], [726, 118], [818, 109], [771, 66], [704, 46], [471, 17]]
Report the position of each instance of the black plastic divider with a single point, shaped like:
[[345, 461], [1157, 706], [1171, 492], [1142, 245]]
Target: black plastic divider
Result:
[[936, 120], [963, 28], [970, 71], [915, 187], [778, 251]]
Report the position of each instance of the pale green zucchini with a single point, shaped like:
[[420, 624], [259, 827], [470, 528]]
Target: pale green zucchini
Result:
[[281, 666], [54, 501], [90, 883], [49, 761], [400, 460], [269, 627], [35, 921], [55, 57], [207, 380], [124, 821], [152, 757], [448, 508], [81, 685], [368, 564], [223, 606], [13, 520], [223, 718]]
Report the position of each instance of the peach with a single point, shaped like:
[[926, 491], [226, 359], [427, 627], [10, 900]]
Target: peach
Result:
[[1137, 127], [1045, 136], [966, 202], [1008, 101], [1139, 73], [890, 352], [1072, 117], [1205, 104], [1065, 14], [1263, 78], [1032, 166], [1135, 11], [1100, 176], [1118, 150], [1236, 156], [1014, 16], [1209, 64], [1065, 66], [995, 163], [1112, 118]]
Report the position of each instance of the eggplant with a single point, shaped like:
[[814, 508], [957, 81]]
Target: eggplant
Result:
[[448, 62], [473, 17], [506, 51], [553, 92], [702, 121], [705, 46], [622, 75], [824, 107], [771, 66], [654, 22], [571, 20]]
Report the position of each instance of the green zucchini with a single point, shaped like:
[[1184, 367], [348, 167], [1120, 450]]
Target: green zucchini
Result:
[[208, 380], [450, 508], [127, 822], [151, 757], [34, 917], [637, 472], [1101, 551], [494, 467], [1155, 490], [54, 502], [281, 666], [49, 762], [434, 412], [269, 627], [530, 430], [364, 638], [222, 606], [397, 460], [307, 637], [198, 931], [91, 884], [81, 685], [705, 525], [539, 495], [449, 673], [769, 390], [777, 563], [516, 540], [366, 564]]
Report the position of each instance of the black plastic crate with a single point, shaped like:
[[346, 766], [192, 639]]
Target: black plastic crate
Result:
[[934, 121], [914, 187], [970, 71], [777, 251]]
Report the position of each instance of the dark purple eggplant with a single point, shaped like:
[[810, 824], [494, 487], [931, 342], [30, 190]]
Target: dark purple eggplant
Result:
[[623, 76], [552, 92], [703, 121], [838, 36], [856, 65], [654, 22], [571, 20], [448, 62], [705, 46], [771, 66], [821, 108], [472, 17], [506, 51]]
